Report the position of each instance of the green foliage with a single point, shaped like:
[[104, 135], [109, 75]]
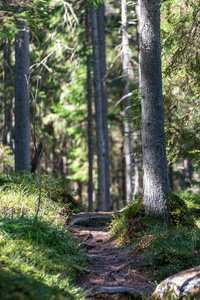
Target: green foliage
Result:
[[40, 257], [192, 200], [170, 250], [179, 212], [6, 155], [180, 65]]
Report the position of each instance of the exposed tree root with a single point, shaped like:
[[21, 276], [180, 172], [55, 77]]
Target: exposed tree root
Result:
[[115, 270], [112, 290]]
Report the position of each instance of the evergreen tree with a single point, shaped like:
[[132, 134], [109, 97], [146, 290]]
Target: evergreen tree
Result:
[[102, 205], [90, 124], [155, 180], [22, 137], [103, 74]]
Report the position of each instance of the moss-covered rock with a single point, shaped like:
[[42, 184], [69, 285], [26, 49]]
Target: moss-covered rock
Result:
[[183, 285], [179, 213]]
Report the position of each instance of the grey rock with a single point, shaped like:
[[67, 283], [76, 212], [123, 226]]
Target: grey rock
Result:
[[182, 285]]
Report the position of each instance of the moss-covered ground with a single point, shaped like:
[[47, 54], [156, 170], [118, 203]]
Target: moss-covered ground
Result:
[[166, 248], [39, 259]]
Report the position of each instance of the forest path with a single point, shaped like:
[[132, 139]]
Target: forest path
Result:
[[111, 273]]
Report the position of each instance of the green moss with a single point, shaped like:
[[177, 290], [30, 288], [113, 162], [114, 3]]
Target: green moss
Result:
[[134, 210], [170, 295], [127, 224], [38, 259], [179, 212]]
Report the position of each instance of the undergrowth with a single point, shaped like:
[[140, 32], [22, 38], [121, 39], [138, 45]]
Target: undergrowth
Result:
[[39, 259], [166, 248]]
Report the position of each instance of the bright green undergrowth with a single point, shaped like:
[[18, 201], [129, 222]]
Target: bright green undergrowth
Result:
[[39, 259], [165, 248]]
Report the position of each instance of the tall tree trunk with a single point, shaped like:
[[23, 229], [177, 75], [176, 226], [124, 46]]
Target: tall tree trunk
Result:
[[103, 73], [123, 164], [136, 166], [7, 96], [127, 126], [156, 186], [90, 125], [22, 136], [101, 197], [136, 160]]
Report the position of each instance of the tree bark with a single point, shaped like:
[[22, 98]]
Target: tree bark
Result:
[[123, 164], [7, 134], [155, 178], [103, 74], [136, 166], [136, 160], [101, 197], [90, 125], [22, 136], [171, 179], [127, 126]]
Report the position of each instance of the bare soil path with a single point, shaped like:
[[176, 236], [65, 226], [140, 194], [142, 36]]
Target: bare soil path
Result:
[[111, 273]]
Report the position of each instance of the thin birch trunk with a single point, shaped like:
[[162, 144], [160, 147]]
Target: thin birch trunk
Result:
[[90, 125], [101, 197], [155, 179], [103, 73], [127, 126], [22, 136]]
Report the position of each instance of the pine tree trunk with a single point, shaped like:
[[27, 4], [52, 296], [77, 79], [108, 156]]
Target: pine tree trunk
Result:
[[90, 125], [136, 166], [90, 134], [103, 73], [22, 138], [156, 186], [136, 160], [101, 197], [127, 126], [7, 97], [123, 164]]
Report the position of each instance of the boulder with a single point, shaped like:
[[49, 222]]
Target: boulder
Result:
[[184, 285]]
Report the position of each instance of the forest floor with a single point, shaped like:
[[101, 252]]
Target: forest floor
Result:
[[111, 273]]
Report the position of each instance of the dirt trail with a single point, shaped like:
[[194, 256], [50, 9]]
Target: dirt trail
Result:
[[111, 274]]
